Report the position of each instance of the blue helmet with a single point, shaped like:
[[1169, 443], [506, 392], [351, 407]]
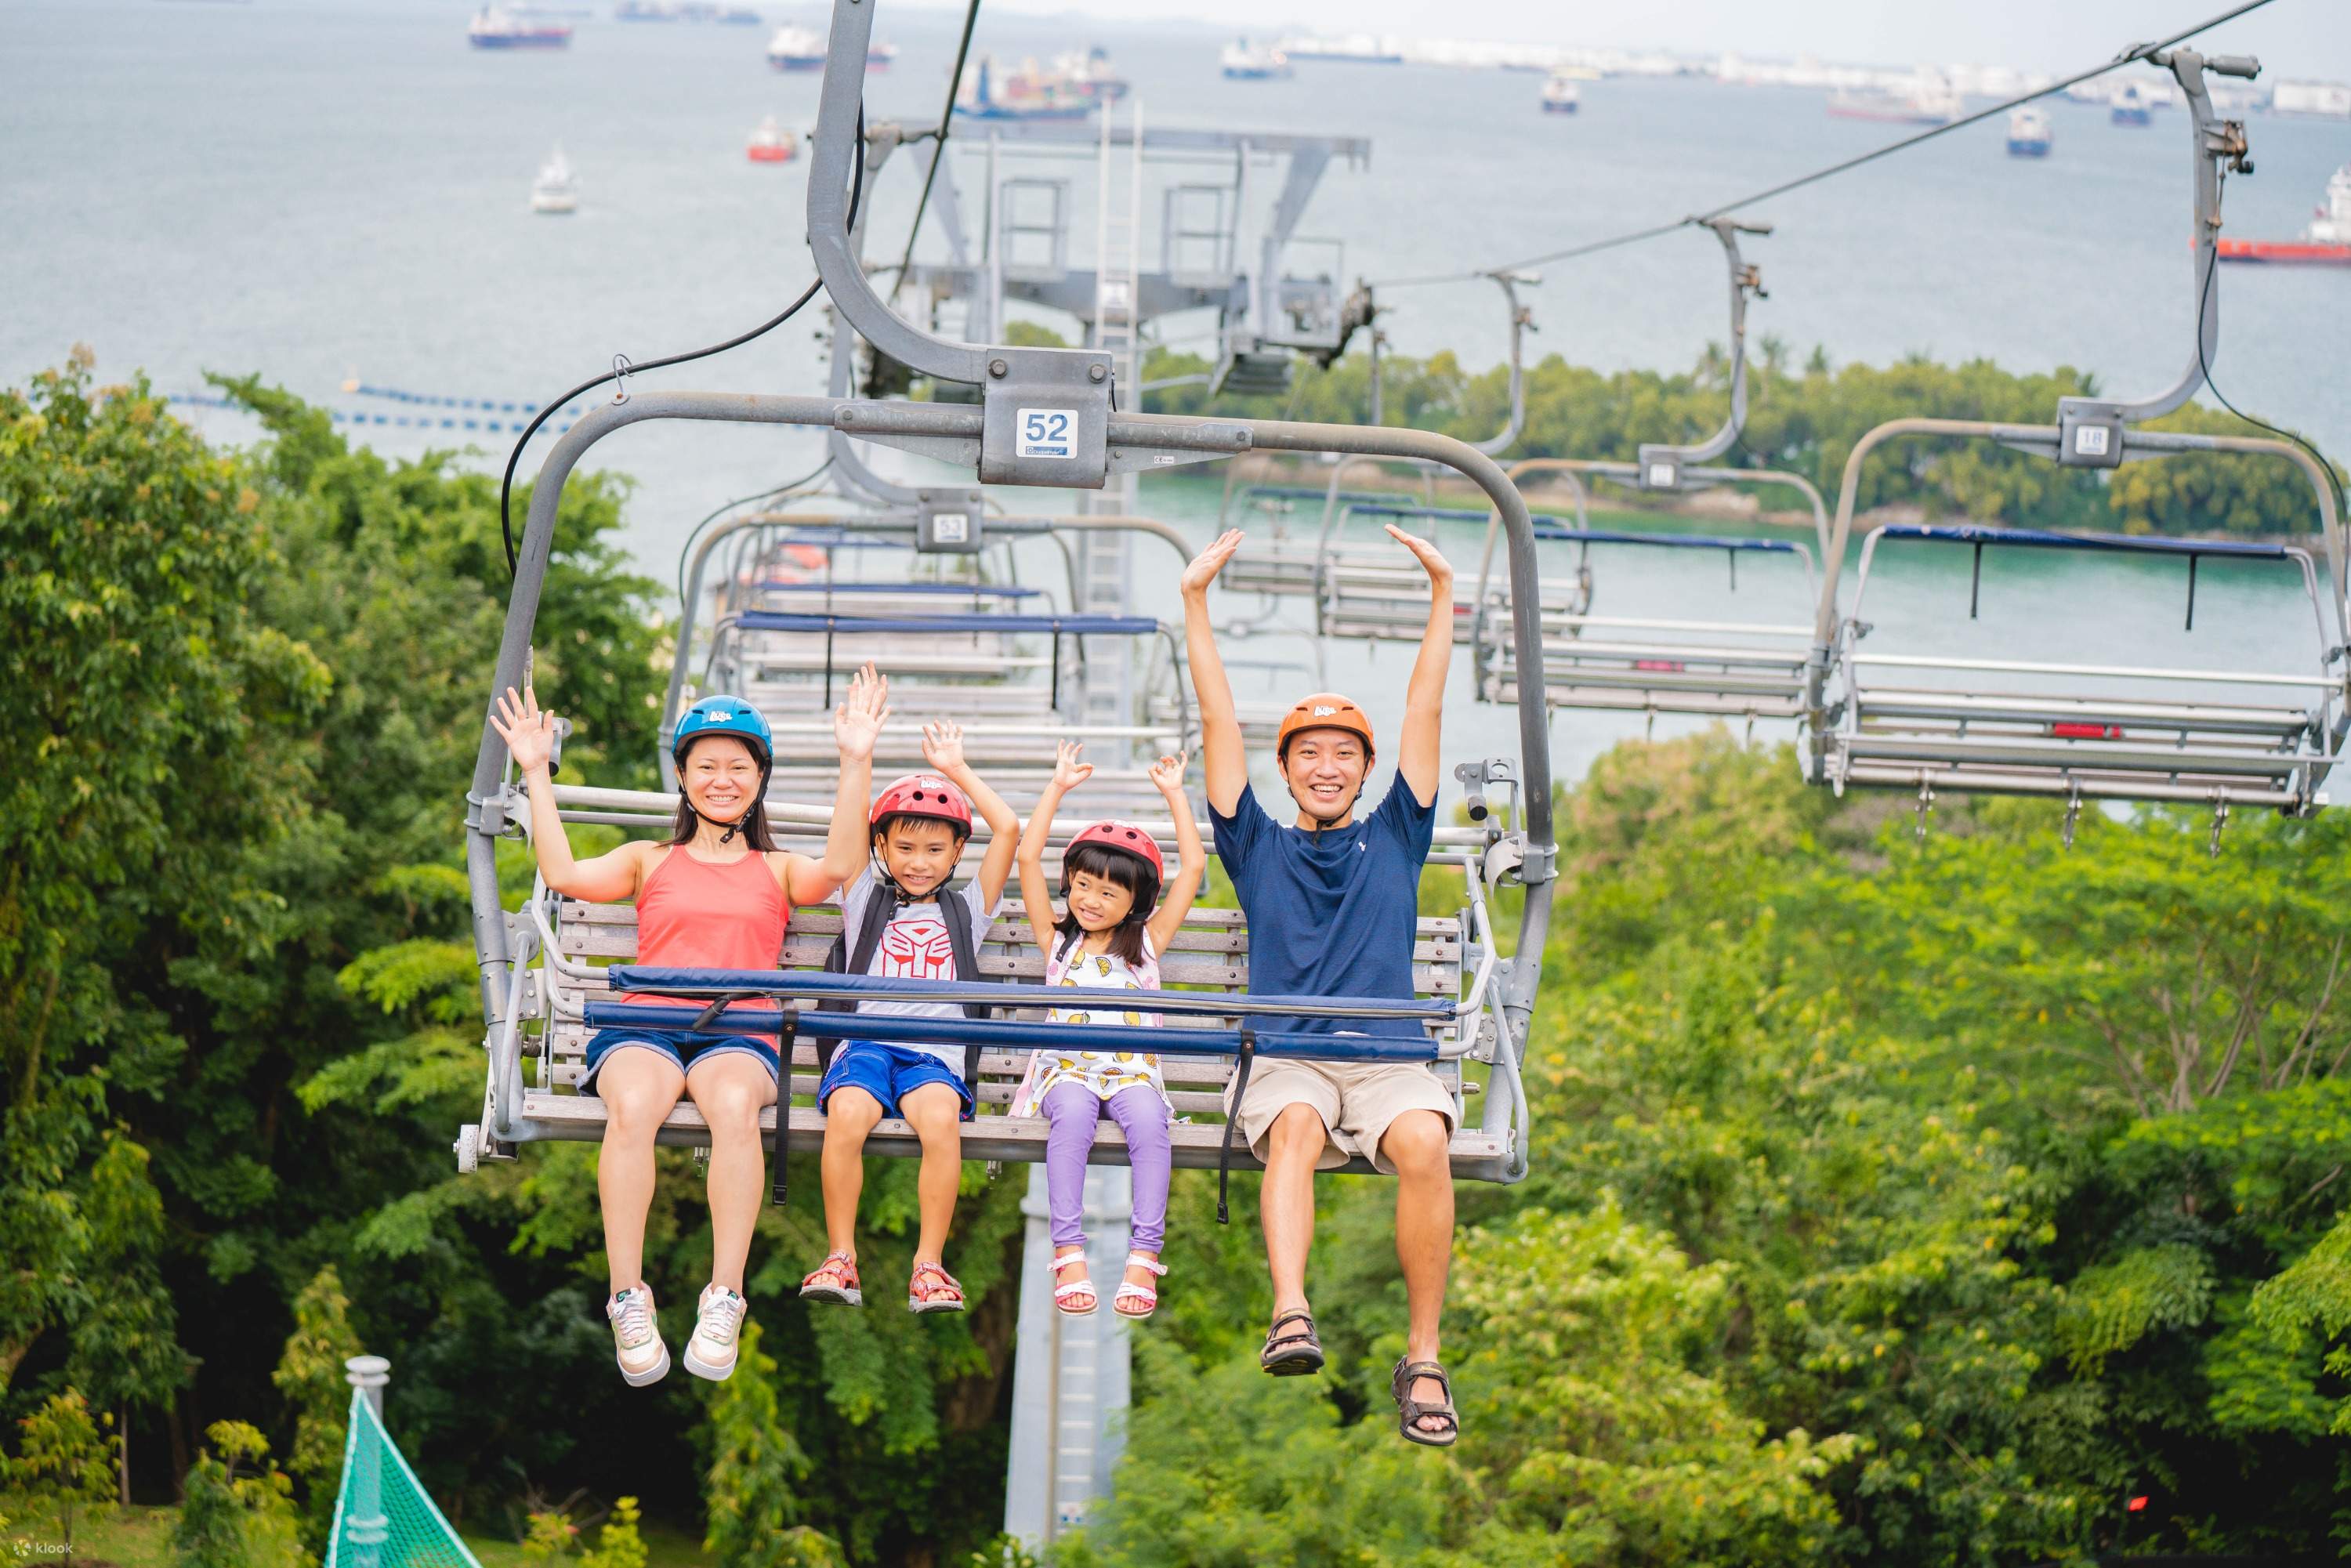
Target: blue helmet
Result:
[[723, 715]]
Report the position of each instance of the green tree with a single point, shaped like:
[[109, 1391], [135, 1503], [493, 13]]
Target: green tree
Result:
[[310, 1374], [752, 1504], [64, 1464], [229, 1520]]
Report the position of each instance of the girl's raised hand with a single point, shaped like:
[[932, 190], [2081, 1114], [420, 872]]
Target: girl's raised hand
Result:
[[1069, 772], [943, 746], [528, 732], [857, 723], [1168, 774]]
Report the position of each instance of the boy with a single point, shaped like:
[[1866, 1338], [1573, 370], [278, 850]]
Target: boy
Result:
[[903, 919]]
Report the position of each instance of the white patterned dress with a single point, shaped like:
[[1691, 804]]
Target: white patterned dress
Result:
[[1103, 1072]]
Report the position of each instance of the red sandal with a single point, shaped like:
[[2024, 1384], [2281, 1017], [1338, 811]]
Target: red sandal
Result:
[[835, 1281], [931, 1289]]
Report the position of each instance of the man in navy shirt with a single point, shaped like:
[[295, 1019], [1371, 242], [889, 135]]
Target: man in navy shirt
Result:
[[1333, 901]]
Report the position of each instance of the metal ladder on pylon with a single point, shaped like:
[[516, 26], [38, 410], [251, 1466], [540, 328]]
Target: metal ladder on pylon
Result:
[[1106, 556]]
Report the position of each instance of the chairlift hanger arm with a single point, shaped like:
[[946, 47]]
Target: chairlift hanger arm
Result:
[[2216, 146], [1661, 465]]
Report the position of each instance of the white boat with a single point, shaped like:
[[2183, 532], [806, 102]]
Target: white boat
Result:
[[2028, 133], [1243, 61], [802, 49], [2133, 106], [771, 144], [1559, 94], [796, 49], [557, 189], [493, 28]]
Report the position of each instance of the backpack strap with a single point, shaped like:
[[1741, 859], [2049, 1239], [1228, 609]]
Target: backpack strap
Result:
[[845, 959], [962, 942]]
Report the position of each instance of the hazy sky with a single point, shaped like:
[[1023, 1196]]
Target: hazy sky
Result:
[[2294, 38]]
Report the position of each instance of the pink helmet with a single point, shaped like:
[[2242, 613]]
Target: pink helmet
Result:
[[924, 795], [1125, 836]]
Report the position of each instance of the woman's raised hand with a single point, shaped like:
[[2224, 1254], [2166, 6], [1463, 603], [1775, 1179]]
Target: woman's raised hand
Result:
[[528, 730], [1167, 773], [943, 746], [1210, 561], [1068, 771], [857, 723]]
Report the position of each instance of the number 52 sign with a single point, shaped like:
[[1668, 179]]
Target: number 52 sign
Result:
[[1047, 432]]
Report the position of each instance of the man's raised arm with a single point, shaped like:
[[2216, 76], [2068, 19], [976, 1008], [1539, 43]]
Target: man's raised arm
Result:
[[1223, 762], [1419, 753]]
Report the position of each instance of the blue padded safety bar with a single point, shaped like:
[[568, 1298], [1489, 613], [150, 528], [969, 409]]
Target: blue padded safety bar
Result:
[[2037, 539], [893, 1029], [811, 621], [976, 589], [829, 539], [1666, 541], [813, 983], [1443, 514], [1310, 493]]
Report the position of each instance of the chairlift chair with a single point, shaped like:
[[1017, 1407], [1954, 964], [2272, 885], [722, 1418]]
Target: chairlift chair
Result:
[[1997, 725], [1476, 1005]]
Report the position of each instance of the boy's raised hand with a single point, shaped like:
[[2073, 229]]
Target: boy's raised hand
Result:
[[528, 732], [943, 746], [1210, 561], [1432, 559], [1069, 771], [857, 722], [1167, 773]]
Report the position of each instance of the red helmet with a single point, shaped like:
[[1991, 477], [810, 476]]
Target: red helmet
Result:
[[1127, 837], [924, 795]]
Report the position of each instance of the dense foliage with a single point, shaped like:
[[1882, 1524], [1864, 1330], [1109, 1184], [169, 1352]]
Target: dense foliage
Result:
[[1893, 1202]]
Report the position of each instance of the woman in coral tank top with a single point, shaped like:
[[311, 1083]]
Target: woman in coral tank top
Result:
[[715, 896]]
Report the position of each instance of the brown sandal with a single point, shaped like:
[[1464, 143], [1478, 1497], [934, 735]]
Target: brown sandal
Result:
[[1304, 1352], [1411, 1412]]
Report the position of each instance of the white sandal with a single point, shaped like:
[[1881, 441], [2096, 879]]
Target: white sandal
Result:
[[1127, 1292], [1085, 1287]]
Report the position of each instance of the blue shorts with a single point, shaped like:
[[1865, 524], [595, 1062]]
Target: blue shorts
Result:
[[889, 1073], [682, 1049]]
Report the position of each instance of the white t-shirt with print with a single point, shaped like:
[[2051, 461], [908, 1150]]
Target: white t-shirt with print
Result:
[[915, 946]]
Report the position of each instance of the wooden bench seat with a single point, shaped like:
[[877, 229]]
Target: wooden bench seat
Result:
[[1208, 953]]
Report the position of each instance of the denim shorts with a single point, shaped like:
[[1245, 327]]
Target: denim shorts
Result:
[[680, 1047], [889, 1073]]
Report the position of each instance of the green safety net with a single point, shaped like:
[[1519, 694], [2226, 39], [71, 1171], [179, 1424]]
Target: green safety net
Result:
[[384, 1519]]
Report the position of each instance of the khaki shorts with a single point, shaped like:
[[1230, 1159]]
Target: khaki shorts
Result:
[[1356, 1101]]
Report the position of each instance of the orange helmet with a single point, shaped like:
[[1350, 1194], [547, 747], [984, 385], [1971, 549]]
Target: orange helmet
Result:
[[1324, 710]]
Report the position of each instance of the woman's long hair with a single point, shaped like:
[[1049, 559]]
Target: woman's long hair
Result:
[[1130, 871], [753, 825]]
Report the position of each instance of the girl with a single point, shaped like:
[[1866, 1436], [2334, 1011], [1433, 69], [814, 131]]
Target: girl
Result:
[[716, 896], [1110, 938]]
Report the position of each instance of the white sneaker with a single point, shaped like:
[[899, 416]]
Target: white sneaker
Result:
[[636, 1338], [719, 1321]]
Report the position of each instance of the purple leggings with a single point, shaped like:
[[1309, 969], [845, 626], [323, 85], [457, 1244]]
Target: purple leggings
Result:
[[1073, 1110]]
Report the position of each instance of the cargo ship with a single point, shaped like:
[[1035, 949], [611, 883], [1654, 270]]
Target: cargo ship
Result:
[[1927, 101], [2132, 105], [2028, 133], [980, 97], [1559, 94], [1356, 48], [493, 28], [2325, 243]]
